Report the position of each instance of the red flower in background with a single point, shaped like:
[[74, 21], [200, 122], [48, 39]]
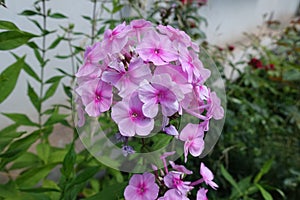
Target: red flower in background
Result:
[[231, 47], [257, 64]]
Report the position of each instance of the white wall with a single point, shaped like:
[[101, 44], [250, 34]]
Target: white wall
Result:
[[227, 19]]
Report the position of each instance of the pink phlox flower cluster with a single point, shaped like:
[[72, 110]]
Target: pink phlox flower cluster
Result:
[[160, 64]]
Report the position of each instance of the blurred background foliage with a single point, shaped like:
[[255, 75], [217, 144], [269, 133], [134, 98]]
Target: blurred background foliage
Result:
[[257, 156]]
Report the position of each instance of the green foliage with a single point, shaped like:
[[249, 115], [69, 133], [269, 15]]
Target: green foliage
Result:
[[260, 132], [9, 77], [13, 39]]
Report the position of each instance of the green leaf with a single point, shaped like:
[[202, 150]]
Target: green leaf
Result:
[[55, 42], [161, 141], [101, 30], [9, 77], [27, 160], [32, 176], [34, 98], [69, 162], [58, 16], [110, 192], [8, 190], [85, 175], [229, 178], [266, 195], [28, 69], [51, 90], [18, 148], [29, 13], [37, 24], [13, 39], [38, 56], [266, 167], [43, 151], [39, 190], [6, 25], [54, 79], [55, 118], [8, 134], [20, 119]]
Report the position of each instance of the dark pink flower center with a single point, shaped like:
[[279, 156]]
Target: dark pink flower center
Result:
[[141, 189], [98, 97], [156, 51], [177, 182]]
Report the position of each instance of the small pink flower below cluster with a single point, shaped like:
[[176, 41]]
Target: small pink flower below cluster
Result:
[[171, 183]]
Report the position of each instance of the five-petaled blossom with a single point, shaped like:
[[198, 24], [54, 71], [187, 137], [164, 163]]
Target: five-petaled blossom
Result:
[[130, 118], [141, 187]]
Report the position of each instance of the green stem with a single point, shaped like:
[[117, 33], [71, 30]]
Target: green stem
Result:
[[43, 65], [93, 22]]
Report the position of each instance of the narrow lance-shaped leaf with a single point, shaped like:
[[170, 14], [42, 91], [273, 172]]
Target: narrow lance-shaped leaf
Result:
[[85, 175], [58, 16], [266, 195], [54, 79], [28, 69], [29, 13], [51, 90], [266, 167], [20, 119], [55, 42], [38, 56], [13, 39], [17, 148], [229, 178], [69, 162], [6, 25], [9, 77], [34, 175], [34, 98]]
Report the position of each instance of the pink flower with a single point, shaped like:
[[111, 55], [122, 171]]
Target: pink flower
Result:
[[161, 91], [141, 187], [96, 96], [178, 36], [92, 56], [115, 40], [80, 112], [163, 158], [215, 109], [201, 194], [208, 176], [127, 80], [177, 76], [173, 194], [130, 118], [180, 168], [192, 135], [157, 49], [192, 65], [173, 181], [140, 26]]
